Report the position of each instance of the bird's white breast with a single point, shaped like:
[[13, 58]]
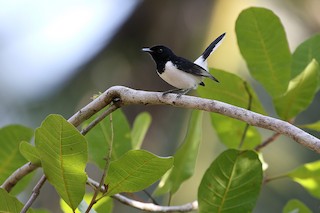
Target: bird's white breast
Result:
[[179, 78]]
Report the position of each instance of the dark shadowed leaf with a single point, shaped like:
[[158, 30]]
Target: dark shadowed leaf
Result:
[[99, 138], [304, 54]]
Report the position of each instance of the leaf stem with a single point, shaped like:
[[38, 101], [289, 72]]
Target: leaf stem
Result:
[[105, 170]]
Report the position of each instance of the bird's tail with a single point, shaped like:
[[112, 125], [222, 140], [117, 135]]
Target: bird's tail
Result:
[[202, 60]]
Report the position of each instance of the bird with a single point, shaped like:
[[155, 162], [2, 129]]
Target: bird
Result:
[[179, 72]]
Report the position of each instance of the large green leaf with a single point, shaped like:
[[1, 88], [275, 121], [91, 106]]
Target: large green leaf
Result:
[[308, 176], [303, 55], [99, 138], [232, 183], [263, 44], [235, 91], [9, 203], [140, 127], [185, 157], [10, 157], [136, 170], [300, 92], [63, 153], [296, 206]]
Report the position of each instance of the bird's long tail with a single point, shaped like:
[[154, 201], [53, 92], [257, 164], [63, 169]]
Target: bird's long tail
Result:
[[202, 60]]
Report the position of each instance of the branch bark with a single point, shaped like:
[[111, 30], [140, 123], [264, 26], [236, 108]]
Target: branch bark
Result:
[[151, 207], [123, 96]]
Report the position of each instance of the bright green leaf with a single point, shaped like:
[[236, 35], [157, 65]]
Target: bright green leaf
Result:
[[10, 157], [99, 138], [314, 126], [29, 152], [308, 176], [264, 46], [63, 153], [140, 127], [9, 203], [136, 170], [235, 91], [295, 206], [303, 55], [185, 157], [232, 183], [300, 92]]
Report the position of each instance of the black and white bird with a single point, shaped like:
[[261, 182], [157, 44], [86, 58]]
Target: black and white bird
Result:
[[180, 72]]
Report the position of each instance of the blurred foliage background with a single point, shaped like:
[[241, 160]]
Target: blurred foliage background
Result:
[[55, 55]]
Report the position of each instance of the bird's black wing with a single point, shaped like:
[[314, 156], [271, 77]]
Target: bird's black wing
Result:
[[192, 68]]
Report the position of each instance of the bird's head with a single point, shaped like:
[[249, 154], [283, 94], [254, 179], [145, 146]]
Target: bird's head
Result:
[[159, 53]]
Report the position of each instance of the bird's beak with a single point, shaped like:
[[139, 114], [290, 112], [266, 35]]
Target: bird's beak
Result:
[[146, 49]]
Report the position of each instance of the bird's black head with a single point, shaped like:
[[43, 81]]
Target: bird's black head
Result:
[[160, 53]]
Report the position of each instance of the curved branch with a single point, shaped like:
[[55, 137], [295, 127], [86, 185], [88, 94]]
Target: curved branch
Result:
[[148, 206], [17, 175], [126, 96]]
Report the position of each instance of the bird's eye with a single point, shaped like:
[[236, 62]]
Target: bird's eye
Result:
[[160, 50]]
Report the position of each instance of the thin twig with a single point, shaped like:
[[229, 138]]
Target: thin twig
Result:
[[150, 197], [111, 109], [34, 195], [244, 134], [267, 141], [17, 175], [105, 170], [148, 206]]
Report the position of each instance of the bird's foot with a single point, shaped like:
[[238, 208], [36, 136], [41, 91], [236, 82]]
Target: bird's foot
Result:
[[179, 92]]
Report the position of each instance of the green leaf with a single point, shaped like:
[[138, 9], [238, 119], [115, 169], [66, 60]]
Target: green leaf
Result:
[[296, 206], [232, 183], [30, 152], [304, 54], [308, 176], [9, 203], [140, 127], [10, 157], [99, 138], [63, 153], [264, 46], [235, 91], [314, 126], [185, 158], [136, 170], [300, 92]]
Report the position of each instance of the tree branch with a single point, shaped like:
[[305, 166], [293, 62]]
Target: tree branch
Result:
[[17, 175], [126, 96], [122, 96], [35, 193], [148, 206]]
